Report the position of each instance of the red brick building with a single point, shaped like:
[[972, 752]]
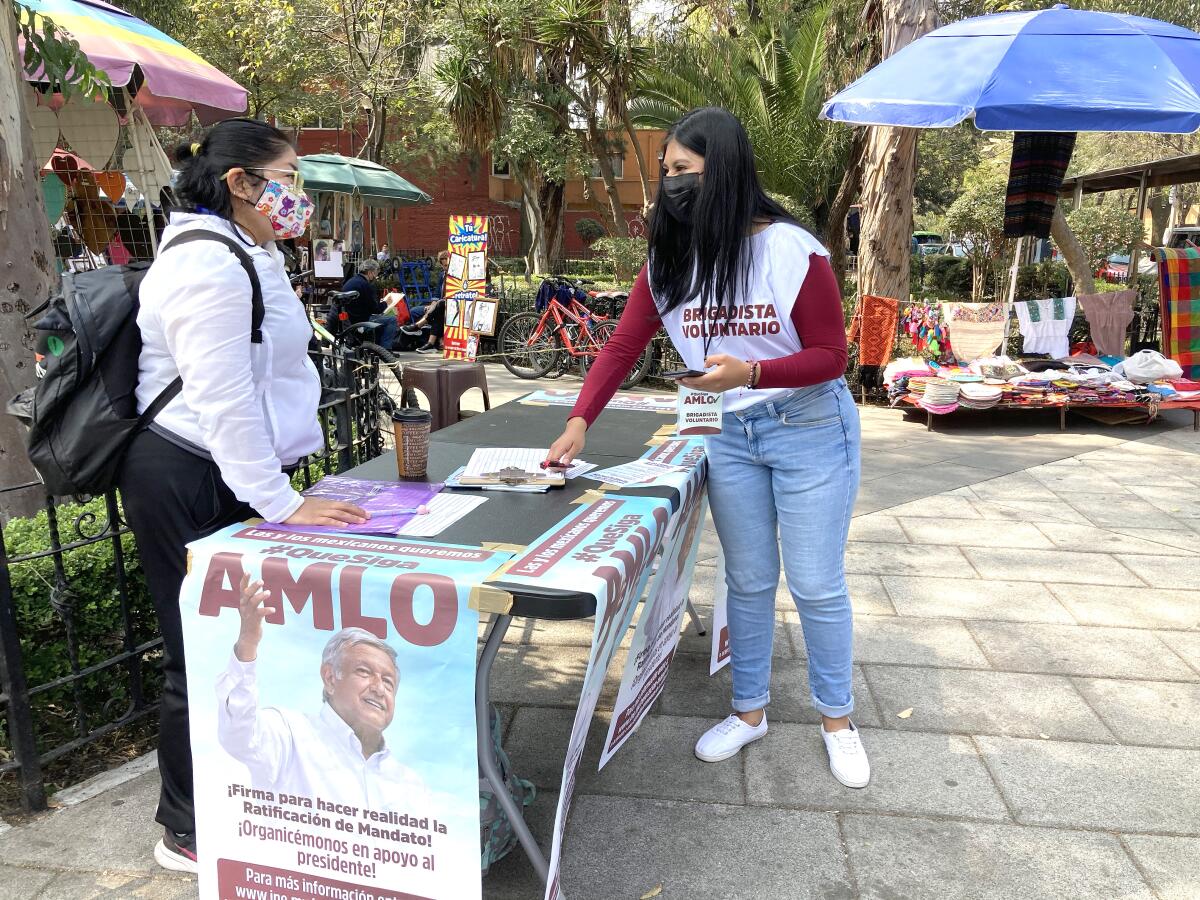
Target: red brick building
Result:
[[464, 189]]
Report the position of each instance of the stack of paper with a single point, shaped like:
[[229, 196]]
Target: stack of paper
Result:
[[640, 471]]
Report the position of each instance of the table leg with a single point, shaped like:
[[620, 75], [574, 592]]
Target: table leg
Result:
[[1062, 418], [928, 420], [487, 764], [696, 620], [1196, 420]]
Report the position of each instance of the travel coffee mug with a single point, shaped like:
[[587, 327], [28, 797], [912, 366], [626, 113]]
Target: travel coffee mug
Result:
[[412, 441]]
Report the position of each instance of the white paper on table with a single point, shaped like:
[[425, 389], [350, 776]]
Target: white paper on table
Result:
[[457, 266], [490, 460], [636, 472], [444, 511], [477, 265], [579, 467]]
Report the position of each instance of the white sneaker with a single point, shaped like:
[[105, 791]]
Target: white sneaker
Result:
[[847, 757], [726, 738]]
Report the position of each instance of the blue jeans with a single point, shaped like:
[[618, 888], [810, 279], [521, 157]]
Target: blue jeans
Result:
[[785, 473], [386, 332]]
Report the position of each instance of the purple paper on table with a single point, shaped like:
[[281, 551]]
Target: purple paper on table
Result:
[[392, 504]]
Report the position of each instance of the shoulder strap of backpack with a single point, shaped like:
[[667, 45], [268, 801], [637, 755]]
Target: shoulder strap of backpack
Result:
[[256, 299]]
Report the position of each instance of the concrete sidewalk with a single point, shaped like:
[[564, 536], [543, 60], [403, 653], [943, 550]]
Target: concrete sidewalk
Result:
[[1027, 678]]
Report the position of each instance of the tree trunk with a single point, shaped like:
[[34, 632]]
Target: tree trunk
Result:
[[537, 261], [835, 239], [1073, 254], [1159, 205], [552, 202], [28, 269], [598, 138], [890, 168], [643, 169]]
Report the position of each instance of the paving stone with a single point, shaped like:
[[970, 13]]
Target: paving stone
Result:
[[691, 691], [912, 641], [1074, 650], [1090, 539], [877, 527], [1131, 607], [892, 859], [1170, 499], [126, 811], [1164, 538], [974, 598], [1150, 713], [1185, 644], [619, 849], [977, 702], [1118, 509], [1076, 479], [544, 632], [1012, 486], [974, 533], [546, 676], [868, 596], [1180, 572], [1172, 864], [937, 507], [1049, 565], [22, 884], [1097, 785], [902, 559], [915, 774], [1011, 510], [113, 885]]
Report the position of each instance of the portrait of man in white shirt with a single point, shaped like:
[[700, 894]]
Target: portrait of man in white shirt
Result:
[[337, 751]]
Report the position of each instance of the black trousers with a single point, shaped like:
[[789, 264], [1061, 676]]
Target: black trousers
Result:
[[172, 497]]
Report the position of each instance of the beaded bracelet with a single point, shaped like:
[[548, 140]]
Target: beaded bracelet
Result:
[[752, 378]]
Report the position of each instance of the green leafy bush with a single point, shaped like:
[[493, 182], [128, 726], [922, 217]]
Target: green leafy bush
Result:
[[949, 275], [626, 256], [89, 589], [589, 231]]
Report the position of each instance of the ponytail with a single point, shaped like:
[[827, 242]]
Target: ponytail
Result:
[[232, 144]]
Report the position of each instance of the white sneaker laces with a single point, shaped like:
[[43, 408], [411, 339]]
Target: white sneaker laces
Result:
[[848, 742], [729, 726]]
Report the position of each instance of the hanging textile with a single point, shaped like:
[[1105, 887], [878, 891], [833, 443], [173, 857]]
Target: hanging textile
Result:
[[1108, 317], [1039, 162], [925, 328], [1046, 325], [873, 328], [1179, 298], [976, 329]]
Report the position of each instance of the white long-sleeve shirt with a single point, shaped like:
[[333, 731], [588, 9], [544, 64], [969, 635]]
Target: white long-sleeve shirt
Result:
[[253, 407], [314, 755]]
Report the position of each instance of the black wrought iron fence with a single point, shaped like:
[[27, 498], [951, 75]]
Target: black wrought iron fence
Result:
[[79, 651]]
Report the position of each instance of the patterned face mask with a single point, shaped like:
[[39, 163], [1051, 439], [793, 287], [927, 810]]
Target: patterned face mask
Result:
[[288, 208]]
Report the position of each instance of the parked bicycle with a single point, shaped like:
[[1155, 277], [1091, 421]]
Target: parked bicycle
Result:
[[532, 343], [333, 331]]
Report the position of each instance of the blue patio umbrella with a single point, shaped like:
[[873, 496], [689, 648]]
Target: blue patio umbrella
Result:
[[1056, 69]]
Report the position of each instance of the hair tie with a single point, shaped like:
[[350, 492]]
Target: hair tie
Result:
[[196, 149]]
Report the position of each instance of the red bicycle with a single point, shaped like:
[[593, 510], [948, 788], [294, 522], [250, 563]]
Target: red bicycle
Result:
[[532, 344]]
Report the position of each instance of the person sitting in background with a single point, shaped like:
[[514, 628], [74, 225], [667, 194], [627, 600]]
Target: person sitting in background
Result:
[[384, 254], [367, 307], [433, 320]]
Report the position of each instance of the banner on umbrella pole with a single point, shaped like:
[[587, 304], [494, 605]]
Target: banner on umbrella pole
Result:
[[332, 715]]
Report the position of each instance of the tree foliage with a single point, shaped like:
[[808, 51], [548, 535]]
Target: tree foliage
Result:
[[53, 56], [976, 218], [1104, 229]]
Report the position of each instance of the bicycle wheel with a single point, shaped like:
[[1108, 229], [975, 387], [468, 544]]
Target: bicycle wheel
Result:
[[524, 355], [602, 332]]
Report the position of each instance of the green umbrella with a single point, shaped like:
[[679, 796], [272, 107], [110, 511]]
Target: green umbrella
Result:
[[379, 186]]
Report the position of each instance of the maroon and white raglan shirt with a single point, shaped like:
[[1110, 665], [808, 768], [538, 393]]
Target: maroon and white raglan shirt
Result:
[[789, 320]]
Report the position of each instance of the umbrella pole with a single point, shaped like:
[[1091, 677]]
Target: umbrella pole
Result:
[[1012, 292], [143, 173]]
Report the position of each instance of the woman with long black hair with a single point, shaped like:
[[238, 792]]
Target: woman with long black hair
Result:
[[748, 295], [220, 450]]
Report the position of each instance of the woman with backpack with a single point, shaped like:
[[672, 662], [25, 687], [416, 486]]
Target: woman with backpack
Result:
[[218, 312], [751, 304]]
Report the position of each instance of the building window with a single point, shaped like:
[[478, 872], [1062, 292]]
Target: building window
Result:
[[499, 169], [618, 167]]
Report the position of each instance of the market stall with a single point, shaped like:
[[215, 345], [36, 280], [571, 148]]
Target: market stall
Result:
[[104, 197], [1112, 73]]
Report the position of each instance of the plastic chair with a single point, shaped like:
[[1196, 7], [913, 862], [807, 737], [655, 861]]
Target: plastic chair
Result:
[[458, 377], [426, 378]]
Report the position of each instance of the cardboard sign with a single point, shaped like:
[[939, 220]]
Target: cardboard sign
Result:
[[341, 760], [466, 282]]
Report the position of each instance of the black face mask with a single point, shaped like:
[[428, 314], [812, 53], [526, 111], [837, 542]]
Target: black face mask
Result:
[[678, 195]]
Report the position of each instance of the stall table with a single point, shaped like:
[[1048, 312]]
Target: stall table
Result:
[[521, 518], [1063, 408]]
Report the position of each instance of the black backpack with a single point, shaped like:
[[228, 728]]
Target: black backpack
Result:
[[82, 413]]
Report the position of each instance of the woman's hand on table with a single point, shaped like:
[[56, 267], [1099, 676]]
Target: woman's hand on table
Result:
[[318, 511], [729, 373], [570, 443]]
